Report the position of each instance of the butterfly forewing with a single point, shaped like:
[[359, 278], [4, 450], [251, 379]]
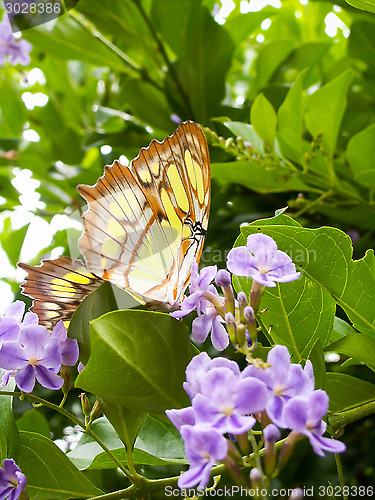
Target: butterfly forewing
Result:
[[145, 224], [58, 287]]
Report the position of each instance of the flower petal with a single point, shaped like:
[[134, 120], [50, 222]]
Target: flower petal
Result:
[[47, 378], [25, 378]]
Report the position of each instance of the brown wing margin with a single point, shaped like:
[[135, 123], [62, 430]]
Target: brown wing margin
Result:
[[57, 287]]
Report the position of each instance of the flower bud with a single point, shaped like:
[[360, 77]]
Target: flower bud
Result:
[[287, 448], [297, 494], [231, 327], [85, 403], [255, 478], [271, 434], [251, 323], [223, 278]]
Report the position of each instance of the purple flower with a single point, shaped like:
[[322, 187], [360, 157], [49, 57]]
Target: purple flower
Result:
[[204, 448], [34, 355], [12, 481], [185, 416], [262, 261], [199, 366], [210, 321], [15, 50], [199, 284], [69, 347], [227, 401], [11, 322], [304, 415], [283, 380]]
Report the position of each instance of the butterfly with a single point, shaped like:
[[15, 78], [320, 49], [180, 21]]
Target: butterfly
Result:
[[144, 226]]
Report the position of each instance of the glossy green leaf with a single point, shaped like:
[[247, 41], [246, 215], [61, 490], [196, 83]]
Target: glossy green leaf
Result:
[[361, 43], [11, 240], [138, 360], [50, 474], [8, 423], [3, 446], [34, 421], [105, 299], [317, 359], [325, 110], [159, 443], [368, 5], [361, 156], [247, 133], [357, 346], [258, 176], [263, 119], [291, 122], [68, 39], [340, 329], [345, 391], [126, 422], [12, 109]]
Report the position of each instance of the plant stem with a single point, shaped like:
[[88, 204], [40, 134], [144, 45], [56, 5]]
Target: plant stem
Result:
[[74, 419], [341, 474], [164, 54]]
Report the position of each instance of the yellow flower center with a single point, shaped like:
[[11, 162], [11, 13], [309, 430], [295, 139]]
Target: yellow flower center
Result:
[[33, 361]]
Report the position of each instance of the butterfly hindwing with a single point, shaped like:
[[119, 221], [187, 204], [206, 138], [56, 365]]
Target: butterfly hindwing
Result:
[[57, 287], [145, 223]]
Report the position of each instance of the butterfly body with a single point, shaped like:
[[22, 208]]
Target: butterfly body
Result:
[[145, 223]]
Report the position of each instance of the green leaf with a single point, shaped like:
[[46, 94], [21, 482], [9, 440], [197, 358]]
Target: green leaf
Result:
[[317, 359], [357, 346], [138, 360], [361, 43], [159, 443], [291, 123], [345, 391], [12, 109], [3, 446], [126, 422], [161, 439], [368, 5], [241, 26], [11, 240], [8, 423], [70, 40], [340, 329], [325, 110], [50, 474], [270, 57], [263, 119], [106, 298], [247, 133], [361, 156], [34, 421], [258, 176], [204, 59]]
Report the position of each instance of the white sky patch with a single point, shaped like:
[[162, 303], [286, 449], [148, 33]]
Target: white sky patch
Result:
[[257, 5], [333, 24], [124, 160], [226, 8], [266, 24], [32, 100], [31, 135], [260, 38], [106, 149]]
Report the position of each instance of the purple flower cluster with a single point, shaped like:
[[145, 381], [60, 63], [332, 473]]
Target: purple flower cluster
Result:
[[12, 481], [260, 260], [28, 351], [225, 400], [16, 51]]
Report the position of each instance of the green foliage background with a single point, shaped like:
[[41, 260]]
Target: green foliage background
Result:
[[290, 117]]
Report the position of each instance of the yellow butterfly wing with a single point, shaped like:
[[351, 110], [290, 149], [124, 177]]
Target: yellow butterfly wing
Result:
[[146, 223], [57, 287]]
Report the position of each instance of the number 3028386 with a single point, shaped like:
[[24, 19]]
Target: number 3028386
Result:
[[32, 8]]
